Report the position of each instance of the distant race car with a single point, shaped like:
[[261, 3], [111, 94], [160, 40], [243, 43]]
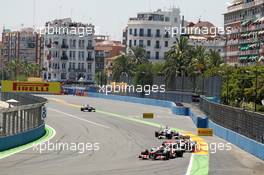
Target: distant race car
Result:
[[166, 133], [165, 152], [87, 108]]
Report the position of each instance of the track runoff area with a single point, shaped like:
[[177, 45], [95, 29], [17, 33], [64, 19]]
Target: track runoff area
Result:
[[114, 138]]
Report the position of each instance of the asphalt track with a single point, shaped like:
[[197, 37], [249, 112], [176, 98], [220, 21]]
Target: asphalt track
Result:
[[120, 142]]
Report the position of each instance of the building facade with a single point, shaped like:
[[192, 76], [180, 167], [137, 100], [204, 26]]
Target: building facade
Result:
[[25, 45], [210, 40], [69, 54], [244, 45], [152, 31], [107, 49]]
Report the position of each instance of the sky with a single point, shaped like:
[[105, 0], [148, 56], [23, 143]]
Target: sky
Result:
[[109, 16]]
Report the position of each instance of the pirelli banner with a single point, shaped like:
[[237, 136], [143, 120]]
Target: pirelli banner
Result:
[[34, 87]]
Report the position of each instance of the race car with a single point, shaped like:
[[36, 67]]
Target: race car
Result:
[[164, 152], [166, 133], [87, 108], [186, 143]]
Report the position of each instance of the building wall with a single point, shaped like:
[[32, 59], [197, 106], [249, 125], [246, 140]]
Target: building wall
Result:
[[242, 17], [157, 47], [69, 57], [23, 45]]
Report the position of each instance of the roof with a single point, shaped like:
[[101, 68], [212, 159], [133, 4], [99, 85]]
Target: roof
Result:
[[206, 24]]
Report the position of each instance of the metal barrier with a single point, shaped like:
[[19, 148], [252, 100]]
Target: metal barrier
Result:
[[246, 123], [21, 118]]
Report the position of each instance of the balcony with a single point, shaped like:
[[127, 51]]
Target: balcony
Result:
[[90, 47], [64, 46], [89, 59], [80, 70], [72, 70], [166, 36], [64, 57], [157, 47], [157, 35]]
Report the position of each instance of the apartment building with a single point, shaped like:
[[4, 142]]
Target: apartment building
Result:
[[152, 31], [25, 45], [245, 44], [69, 53], [206, 34]]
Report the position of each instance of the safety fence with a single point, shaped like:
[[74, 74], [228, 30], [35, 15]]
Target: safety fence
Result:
[[244, 122]]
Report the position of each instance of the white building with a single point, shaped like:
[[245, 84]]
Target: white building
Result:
[[152, 31], [69, 51]]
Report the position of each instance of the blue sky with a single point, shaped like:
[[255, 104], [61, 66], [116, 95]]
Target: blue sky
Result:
[[109, 15]]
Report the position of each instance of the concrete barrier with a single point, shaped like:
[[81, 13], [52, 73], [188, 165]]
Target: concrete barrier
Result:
[[245, 143], [199, 121], [13, 141]]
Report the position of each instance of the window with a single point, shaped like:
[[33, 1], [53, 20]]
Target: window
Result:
[[149, 33], [141, 43], [63, 76], [157, 55], [149, 43], [166, 44], [63, 65], [158, 33], [131, 31], [135, 42], [89, 68], [148, 54], [130, 43], [141, 32], [135, 32], [167, 19], [157, 46]]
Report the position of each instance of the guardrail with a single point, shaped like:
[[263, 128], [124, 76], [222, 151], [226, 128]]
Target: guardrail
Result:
[[21, 120], [244, 122]]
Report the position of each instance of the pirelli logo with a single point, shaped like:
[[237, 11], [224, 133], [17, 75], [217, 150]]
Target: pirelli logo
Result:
[[13, 86], [38, 87]]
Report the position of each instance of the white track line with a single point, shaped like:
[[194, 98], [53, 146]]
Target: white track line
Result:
[[78, 118], [190, 165]]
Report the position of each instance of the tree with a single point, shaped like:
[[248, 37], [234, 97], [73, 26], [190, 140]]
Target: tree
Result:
[[101, 78], [122, 65], [200, 59], [215, 60], [177, 60], [144, 75], [138, 55]]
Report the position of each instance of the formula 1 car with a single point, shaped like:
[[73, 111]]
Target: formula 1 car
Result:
[[165, 152], [87, 108], [166, 134], [186, 143]]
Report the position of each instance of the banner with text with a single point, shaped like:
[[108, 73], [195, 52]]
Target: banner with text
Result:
[[35, 87]]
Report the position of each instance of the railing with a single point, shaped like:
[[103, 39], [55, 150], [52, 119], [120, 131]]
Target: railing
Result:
[[26, 115], [244, 122]]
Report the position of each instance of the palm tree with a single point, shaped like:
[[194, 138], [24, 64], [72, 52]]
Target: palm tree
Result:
[[13, 68], [200, 59], [177, 60], [215, 60], [138, 55], [122, 65]]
